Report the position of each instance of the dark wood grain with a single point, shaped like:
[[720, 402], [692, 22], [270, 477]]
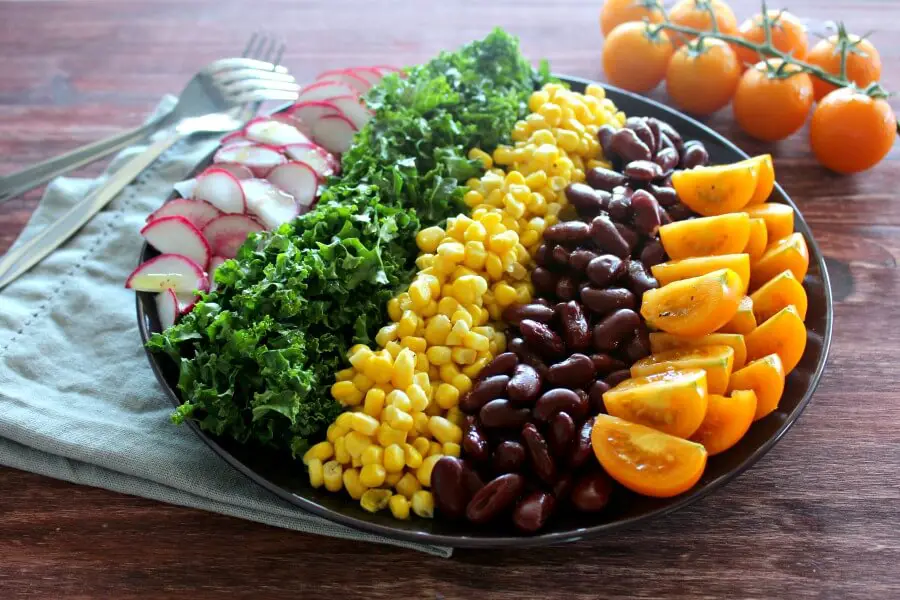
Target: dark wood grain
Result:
[[816, 518]]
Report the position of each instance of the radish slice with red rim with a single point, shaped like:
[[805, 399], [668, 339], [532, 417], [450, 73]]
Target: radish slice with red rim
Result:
[[370, 74], [388, 69], [334, 133], [325, 89], [187, 302], [198, 212], [259, 158], [239, 171], [177, 235], [167, 308], [299, 180], [273, 132], [271, 205], [311, 111], [228, 232], [221, 189], [185, 188], [316, 157], [349, 77], [169, 272], [214, 264], [233, 138], [355, 112]]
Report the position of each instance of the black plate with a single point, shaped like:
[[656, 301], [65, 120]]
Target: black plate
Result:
[[288, 480]]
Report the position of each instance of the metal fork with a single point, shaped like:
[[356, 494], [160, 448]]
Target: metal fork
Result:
[[220, 85], [21, 258]]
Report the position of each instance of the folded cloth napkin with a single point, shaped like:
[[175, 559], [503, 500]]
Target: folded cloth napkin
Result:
[[78, 400]]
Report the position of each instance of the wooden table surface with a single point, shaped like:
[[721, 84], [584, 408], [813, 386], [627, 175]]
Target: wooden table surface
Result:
[[818, 517]]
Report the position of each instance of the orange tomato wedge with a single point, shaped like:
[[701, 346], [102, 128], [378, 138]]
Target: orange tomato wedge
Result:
[[717, 190], [783, 334], [673, 402], [695, 306], [780, 291], [717, 361], [779, 218], [662, 342], [727, 420], [743, 321], [758, 240], [765, 377], [675, 270], [706, 236], [766, 180], [644, 460], [790, 253]]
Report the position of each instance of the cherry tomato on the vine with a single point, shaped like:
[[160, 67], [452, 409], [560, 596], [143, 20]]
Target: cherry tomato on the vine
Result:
[[616, 12], [852, 132], [694, 14], [773, 101], [863, 62], [701, 78], [788, 35], [635, 57]]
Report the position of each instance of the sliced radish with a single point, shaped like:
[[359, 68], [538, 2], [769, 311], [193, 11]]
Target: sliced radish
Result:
[[187, 302], [353, 110], [347, 76], [169, 272], [214, 264], [221, 189], [322, 161], [234, 137], [199, 213], [334, 133], [273, 132], [271, 205], [325, 89], [239, 171], [177, 235], [294, 122], [370, 74], [185, 188], [228, 232], [167, 308], [258, 158], [387, 69], [297, 179], [311, 111]]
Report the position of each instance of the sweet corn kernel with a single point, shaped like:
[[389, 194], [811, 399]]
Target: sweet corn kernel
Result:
[[397, 419], [332, 473], [399, 506], [451, 449], [393, 305], [374, 402], [387, 435], [461, 382], [334, 432], [493, 266], [420, 422], [394, 458], [475, 368], [451, 251], [356, 463], [364, 424], [423, 504], [362, 383], [411, 455], [418, 399], [316, 473], [439, 355], [460, 328], [372, 475], [421, 445], [356, 443], [428, 239], [475, 255], [344, 375], [352, 483], [463, 356], [386, 334], [423, 473], [406, 326], [391, 479], [482, 156], [379, 368], [340, 451], [373, 455], [464, 316], [342, 390], [375, 500], [448, 372], [420, 293], [437, 329], [393, 349], [456, 416], [322, 451], [404, 369], [444, 431], [434, 448], [446, 396], [414, 343], [398, 399], [408, 485]]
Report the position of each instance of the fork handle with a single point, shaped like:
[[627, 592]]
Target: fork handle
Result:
[[18, 183]]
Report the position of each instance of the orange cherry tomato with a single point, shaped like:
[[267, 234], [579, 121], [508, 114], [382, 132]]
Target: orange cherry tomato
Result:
[[676, 270], [863, 63], [743, 321], [722, 234], [783, 334], [645, 460], [694, 14], [766, 180], [770, 106], [766, 378], [634, 58], [759, 239], [695, 306], [779, 292], [673, 402], [702, 79], [727, 420], [779, 219], [790, 253], [616, 12], [788, 35], [851, 132], [662, 342], [717, 190], [716, 361]]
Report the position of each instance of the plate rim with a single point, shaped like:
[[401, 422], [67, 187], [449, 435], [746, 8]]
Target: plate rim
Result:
[[507, 541]]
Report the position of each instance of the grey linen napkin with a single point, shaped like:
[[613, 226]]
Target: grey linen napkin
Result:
[[78, 400]]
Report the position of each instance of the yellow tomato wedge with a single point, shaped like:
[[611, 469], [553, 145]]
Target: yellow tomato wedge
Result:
[[766, 180], [743, 321], [717, 361], [779, 218], [706, 236], [675, 270], [766, 378], [790, 253], [717, 190], [661, 342], [673, 402], [780, 291], [727, 420], [758, 240], [783, 334], [695, 306], [644, 460]]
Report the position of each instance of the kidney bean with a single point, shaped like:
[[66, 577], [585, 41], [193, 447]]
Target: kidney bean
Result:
[[626, 144], [601, 178], [542, 256], [653, 125], [592, 491], [568, 232], [539, 453], [617, 377], [544, 280], [566, 288], [665, 142], [653, 253], [532, 511], [623, 190], [541, 338], [639, 280], [542, 302], [602, 302], [503, 364], [604, 136], [620, 208], [581, 448], [595, 396], [494, 498], [575, 371], [639, 346], [605, 269], [560, 434], [694, 155], [670, 133], [644, 171], [525, 386], [614, 329], [643, 131], [576, 331], [666, 196], [646, 212], [489, 388], [664, 218], [559, 400], [628, 234], [580, 258], [560, 256], [667, 159], [606, 237], [475, 444], [586, 199], [450, 493], [516, 313], [502, 414], [508, 457], [605, 363], [471, 480], [679, 212]]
